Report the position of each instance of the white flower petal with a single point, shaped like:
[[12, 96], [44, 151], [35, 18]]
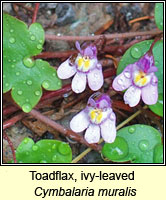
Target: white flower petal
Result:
[[92, 134], [132, 96], [65, 70], [95, 79], [79, 82], [108, 129], [79, 122]]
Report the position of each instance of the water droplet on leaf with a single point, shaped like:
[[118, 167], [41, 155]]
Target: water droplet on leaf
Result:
[[64, 149], [37, 93], [35, 147], [26, 140], [143, 145], [43, 161], [13, 66], [12, 40], [135, 52], [33, 37], [28, 62], [19, 92], [27, 107], [131, 129], [29, 82], [46, 84], [11, 30], [17, 73], [54, 158], [39, 46]]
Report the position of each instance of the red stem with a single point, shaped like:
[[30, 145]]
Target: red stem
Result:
[[5, 136], [107, 36], [35, 12], [13, 120]]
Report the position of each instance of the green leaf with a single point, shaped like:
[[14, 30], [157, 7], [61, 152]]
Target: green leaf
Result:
[[44, 151], [158, 107], [141, 147], [23, 75], [158, 57], [158, 14]]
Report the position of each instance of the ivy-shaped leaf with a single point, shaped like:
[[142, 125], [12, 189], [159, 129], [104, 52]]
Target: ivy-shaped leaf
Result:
[[137, 144], [138, 50], [158, 15], [23, 75], [44, 151]]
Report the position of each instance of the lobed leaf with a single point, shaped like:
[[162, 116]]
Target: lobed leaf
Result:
[[23, 75], [44, 151], [137, 144]]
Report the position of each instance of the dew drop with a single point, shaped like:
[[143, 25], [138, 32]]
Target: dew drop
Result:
[[37, 93], [143, 145], [9, 60], [7, 84], [41, 41], [27, 153], [131, 129], [64, 149], [156, 63], [54, 158], [54, 74], [19, 92], [43, 161], [59, 83], [4, 76], [27, 100], [33, 37], [127, 74], [54, 146], [14, 60], [120, 81], [135, 52], [39, 46], [17, 73], [12, 40], [35, 147], [26, 107], [26, 140], [46, 84], [96, 75], [12, 66], [11, 30], [29, 82], [49, 150], [28, 62]]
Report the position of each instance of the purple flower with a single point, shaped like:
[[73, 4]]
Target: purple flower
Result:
[[96, 118], [85, 66], [140, 80]]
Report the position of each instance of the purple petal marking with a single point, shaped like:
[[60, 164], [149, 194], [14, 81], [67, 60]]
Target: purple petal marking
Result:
[[150, 92], [108, 129], [79, 82], [79, 122], [123, 80], [88, 52], [92, 134], [132, 96], [95, 79], [65, 70], [77, 44]]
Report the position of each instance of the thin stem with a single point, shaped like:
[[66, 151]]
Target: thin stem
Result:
[[63, 130], [35, 12], [5, 136], [13, 120], [107, 36], [140, 19], [79, 157]]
